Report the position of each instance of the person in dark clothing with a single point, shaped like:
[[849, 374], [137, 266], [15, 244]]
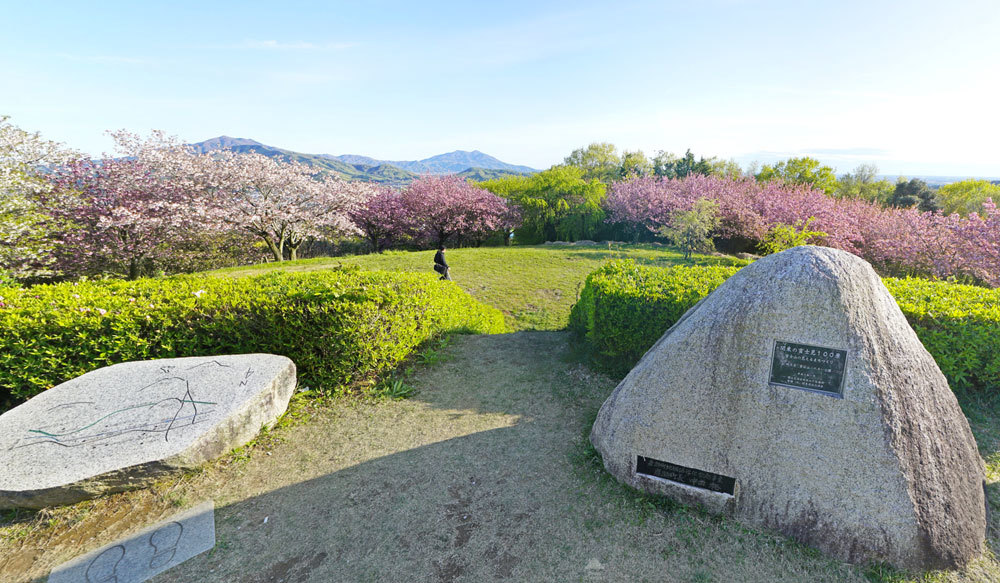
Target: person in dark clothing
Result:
[[441, 264]]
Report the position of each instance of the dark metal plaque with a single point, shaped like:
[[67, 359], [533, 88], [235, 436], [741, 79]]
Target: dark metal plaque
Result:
[[811, 368], [685, 475]]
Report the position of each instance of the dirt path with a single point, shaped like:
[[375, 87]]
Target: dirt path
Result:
[[484, 475]]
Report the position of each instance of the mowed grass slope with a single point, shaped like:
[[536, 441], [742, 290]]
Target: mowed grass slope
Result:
[[534, 286]]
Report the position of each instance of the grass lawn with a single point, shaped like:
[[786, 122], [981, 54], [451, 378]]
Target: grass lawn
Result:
[[534, 287]]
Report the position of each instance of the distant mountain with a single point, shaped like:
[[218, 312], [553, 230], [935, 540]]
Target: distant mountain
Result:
[[474, 165], [450, 163], [352, 159], [223, 142]]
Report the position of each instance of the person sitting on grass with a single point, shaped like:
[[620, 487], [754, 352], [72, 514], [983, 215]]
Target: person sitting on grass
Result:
[[441, 264]]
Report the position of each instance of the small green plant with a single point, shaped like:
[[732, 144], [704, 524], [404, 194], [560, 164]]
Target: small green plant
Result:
[[177, 499], [690, 230], [782, 237], [434, 353], [395, 388], [883, 573], [429, 357]]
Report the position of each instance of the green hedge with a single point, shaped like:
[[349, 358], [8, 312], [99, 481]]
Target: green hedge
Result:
[[624, 308], [337, 326]]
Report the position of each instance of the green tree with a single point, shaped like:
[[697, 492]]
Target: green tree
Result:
[[914, 192], [599, 160], [668, 165], [864, 184], [728, 168], [634, 165], [691, 230], [967, 196], [556, 204], [781, 237], [805, 170], [664, 163]]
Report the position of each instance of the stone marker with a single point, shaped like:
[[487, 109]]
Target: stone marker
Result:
[[146, 553], [125, 426], [796, 397]]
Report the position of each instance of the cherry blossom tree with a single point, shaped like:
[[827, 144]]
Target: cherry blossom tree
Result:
[[24, 227], [281, 203], [383, 219], [447, 209], [119, 216]]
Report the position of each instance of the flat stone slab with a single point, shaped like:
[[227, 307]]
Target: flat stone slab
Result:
[[146, 553], [796, 397], [127, 425]]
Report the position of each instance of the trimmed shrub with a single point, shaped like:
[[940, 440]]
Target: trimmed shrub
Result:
[[338, 326], [624, 308], [958, 324]]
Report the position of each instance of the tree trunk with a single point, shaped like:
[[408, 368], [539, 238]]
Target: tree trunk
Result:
[[133, 268], [276, 250]]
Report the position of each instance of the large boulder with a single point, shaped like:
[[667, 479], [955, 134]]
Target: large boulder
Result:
[[796, 397], [125, 426]]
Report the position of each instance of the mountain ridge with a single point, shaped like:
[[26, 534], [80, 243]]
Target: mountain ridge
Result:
[[471, 164]]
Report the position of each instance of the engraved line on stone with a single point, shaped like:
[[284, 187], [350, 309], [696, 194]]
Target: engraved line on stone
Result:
[[188, 397], [154, 563], [106, 577], [147, 405], [180, 407], [208, 363], [70, 405], [158, 381], [151, 428]]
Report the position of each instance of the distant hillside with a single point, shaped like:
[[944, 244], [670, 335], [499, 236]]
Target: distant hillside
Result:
[[936, 181], [473, 165], [481, 174]]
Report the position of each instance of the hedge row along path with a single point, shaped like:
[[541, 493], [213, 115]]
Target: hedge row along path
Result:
[[484, 475]]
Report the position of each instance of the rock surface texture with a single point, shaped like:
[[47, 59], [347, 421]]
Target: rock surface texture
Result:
[[126, 425], [747, 402]]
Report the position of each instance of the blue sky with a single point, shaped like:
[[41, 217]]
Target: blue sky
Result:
[[912, 86]]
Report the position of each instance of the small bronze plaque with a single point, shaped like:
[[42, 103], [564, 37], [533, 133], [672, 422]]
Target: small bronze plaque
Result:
[[811, 368], [685, 475]]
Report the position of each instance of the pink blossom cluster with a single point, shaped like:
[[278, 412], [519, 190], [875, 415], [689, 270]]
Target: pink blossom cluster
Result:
[[433, 210], [896, 241]]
